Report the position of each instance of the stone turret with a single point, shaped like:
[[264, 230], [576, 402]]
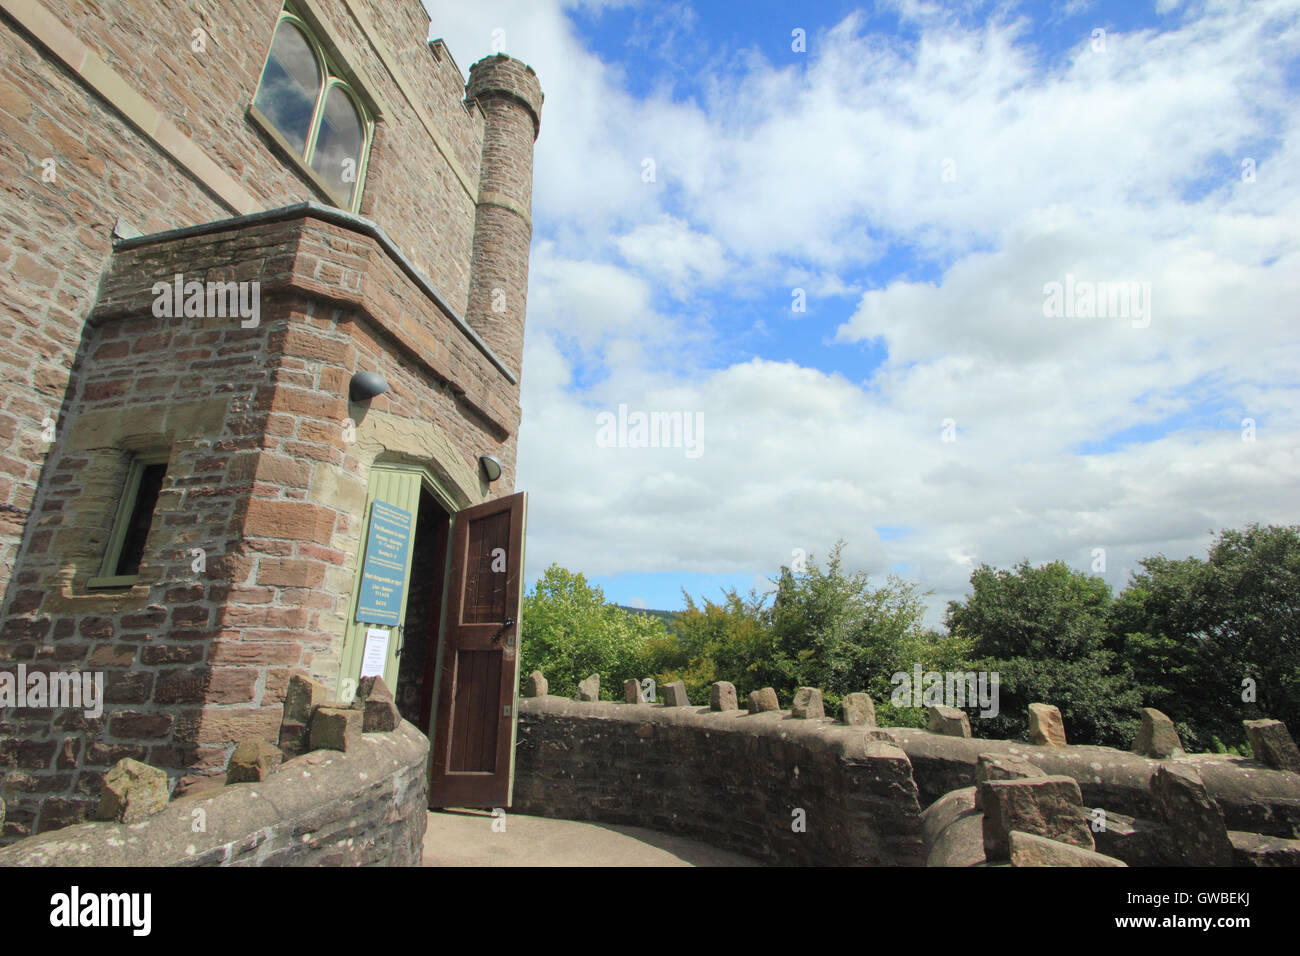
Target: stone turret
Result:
[[510, 97]]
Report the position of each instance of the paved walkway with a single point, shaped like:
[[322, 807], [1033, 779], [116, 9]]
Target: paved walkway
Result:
[[466, 838]]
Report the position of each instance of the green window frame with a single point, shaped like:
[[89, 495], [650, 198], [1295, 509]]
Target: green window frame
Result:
[[127, 505], [330, 79]]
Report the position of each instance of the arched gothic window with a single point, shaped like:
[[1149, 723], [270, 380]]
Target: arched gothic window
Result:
[[316, 113]]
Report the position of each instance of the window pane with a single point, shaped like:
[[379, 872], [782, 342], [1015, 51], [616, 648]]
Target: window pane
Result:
[[338, 146], [146, 499], [290, 82]]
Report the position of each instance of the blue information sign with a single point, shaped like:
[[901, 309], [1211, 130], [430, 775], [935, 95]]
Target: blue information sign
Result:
[[384, 569]]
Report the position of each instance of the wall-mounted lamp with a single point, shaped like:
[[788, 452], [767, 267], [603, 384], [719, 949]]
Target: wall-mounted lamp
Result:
[[366, 385], [491, 467]]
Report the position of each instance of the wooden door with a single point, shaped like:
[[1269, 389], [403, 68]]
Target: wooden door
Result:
[[472, 762]]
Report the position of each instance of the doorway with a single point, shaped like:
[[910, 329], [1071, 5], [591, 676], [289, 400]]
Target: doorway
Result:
[[414, 690], [435, 612]]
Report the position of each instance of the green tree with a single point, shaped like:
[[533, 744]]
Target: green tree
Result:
[[1045, 632], [836, 631], [728, 640], [570, 631], [820, 627], [1154, 630], [1195, 631]]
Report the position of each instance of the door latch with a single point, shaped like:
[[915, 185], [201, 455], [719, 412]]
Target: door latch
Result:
[[502, 629]]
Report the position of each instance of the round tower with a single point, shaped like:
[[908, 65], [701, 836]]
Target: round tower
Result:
[[510, 97]]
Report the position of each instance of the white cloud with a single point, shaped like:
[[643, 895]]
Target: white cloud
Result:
[[778, 177], [670, 251]]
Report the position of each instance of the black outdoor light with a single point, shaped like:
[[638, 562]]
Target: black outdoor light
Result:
[[366, 385], [491, 467]]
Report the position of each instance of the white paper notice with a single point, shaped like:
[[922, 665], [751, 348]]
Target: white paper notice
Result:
[[376, 655]]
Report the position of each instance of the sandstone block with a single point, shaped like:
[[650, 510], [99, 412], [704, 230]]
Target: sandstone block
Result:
[[1256, 849], [1002, 767], [1030, 850], [763, 700], [253, 761], [375, 687], [1156, 737], [722, 696], [1191, 814], [1272, 744], [194, 784], [1046, 728], [808, 703], [589, 689], [293, 737], [379, 716], [336, 728], [949, 721], [302, 696], [632, 691], [858, 710], [674, 694], [1048, 806], [1136, 841], [536, 685], [375, 701], [131, 792]]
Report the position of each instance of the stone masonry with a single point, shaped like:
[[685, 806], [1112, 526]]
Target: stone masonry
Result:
[[251, 558], [815, 791]]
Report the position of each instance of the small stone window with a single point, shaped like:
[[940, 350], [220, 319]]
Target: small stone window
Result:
[[315, 115], [121, 565]]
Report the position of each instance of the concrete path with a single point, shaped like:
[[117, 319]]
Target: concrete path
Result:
[[466, 838]]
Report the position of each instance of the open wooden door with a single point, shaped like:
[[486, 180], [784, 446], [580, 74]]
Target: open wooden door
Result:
[[473, 758]]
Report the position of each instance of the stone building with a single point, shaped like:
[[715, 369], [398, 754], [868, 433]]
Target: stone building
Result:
[[264, 278]]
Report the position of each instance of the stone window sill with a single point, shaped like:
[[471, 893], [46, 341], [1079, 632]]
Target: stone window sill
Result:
[[113, 581]]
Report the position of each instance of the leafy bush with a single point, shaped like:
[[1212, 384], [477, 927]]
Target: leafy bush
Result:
[[569, 632], [1181, 637], [1202, 636]]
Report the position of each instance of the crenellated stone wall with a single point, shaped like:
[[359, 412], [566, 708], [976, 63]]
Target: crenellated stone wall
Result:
[[366, 807], [732, 779], [786, 789]]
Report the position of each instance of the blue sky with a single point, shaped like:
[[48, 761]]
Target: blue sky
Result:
[[918, 176]]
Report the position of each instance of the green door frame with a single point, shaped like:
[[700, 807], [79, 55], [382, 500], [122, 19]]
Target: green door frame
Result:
[[399, 484]]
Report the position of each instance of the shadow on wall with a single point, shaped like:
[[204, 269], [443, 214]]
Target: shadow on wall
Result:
[[796, 787]]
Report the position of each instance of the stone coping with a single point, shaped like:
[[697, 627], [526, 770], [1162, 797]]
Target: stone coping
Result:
[[779, 789], [249, 822], [823, 734], [1252, 796]]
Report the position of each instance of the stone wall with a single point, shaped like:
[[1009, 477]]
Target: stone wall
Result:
[[734, 779], [731, 779], [141, 126], [1253, 797], [362, 808], [262, 476]]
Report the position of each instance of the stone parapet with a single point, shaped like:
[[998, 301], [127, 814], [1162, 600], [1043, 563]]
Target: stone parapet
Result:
[[766, 785], [364, 807]]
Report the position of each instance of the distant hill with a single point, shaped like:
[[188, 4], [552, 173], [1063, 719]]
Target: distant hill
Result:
[[665, 616]]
